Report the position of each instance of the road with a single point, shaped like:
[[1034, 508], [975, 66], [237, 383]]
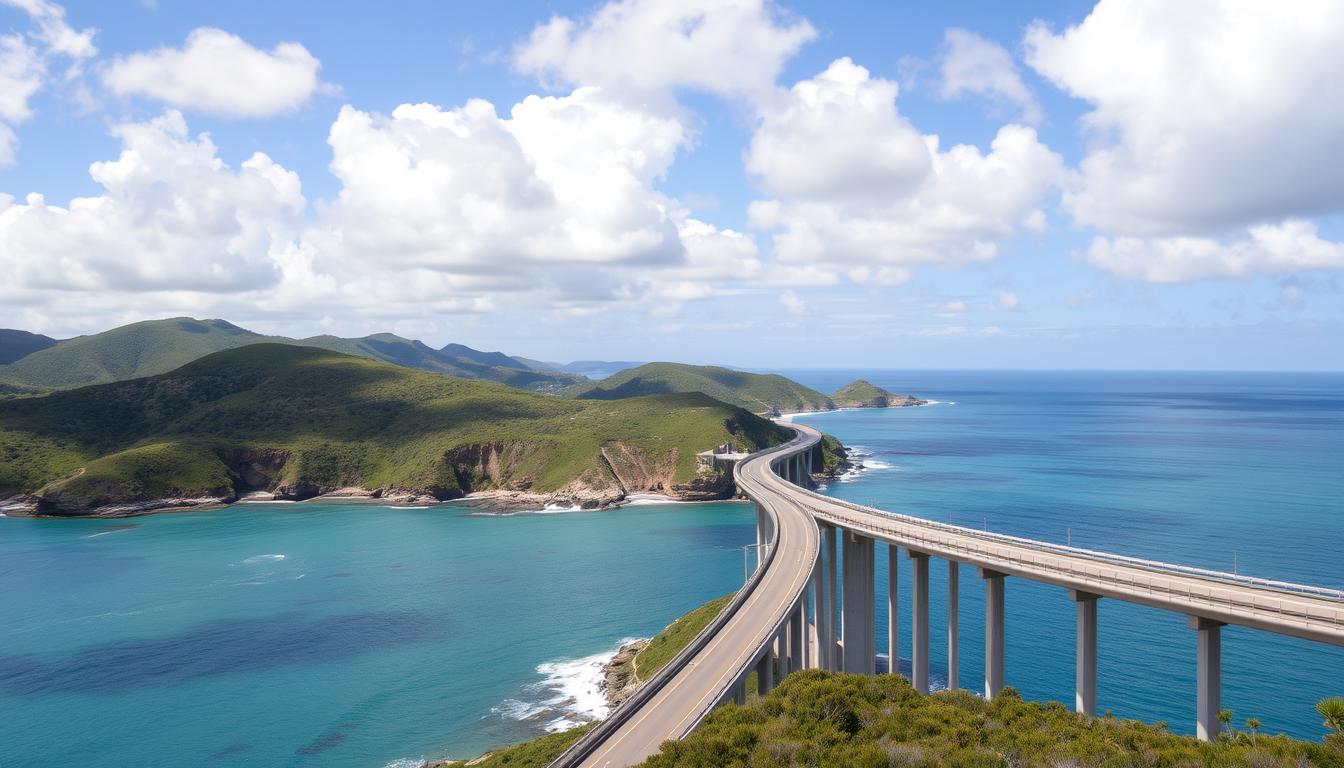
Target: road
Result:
[[694, 682]]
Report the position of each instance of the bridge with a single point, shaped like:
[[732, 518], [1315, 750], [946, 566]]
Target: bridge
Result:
[[811, 603]]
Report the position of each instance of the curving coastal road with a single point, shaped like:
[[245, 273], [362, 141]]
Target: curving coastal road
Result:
[[714, 666]]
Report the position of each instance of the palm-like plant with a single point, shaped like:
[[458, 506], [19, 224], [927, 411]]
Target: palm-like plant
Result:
[[1253, 724], [1225, 717], [1331, 711]]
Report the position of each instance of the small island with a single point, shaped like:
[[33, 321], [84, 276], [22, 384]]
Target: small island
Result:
[[865, 394]]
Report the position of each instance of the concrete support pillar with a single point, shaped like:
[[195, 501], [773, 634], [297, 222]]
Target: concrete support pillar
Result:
[[993, 632], [797, 654], [765, 674], [919, 622], [740, 692], [1208, 675], [1085, 665], [830, 651], [953, 626], [893, 610], [859, 607], [814, 619]]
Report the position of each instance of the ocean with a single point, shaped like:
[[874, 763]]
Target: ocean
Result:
[[342, 634], [332, 634]]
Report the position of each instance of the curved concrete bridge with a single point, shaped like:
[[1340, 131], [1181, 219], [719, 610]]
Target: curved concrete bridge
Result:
[[809, 606]]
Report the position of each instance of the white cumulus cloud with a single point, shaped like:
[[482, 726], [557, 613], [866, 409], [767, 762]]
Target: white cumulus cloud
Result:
[[1205, 115], [855, 183], [219, 73], [1272, 249], [728, 47], [172, 217], [971, 64]]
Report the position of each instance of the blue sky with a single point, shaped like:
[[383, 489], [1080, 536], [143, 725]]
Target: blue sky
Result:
[[739, 182]]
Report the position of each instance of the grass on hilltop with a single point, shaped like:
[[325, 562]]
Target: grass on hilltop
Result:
[[337, 420], [756, 392]]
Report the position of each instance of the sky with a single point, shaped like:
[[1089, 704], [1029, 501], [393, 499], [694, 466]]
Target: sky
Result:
[[1128, 185]]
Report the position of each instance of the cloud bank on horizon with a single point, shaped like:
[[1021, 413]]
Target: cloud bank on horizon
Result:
[[1106, 160]]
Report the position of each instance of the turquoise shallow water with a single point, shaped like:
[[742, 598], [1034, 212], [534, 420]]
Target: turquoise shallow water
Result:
[[324, 634], [386, 634], [1225, 471]]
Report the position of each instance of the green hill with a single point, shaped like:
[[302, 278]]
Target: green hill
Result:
[[139, 349], [756, 392], [158, 346], [302, 421], [19, 344], [864, 394]]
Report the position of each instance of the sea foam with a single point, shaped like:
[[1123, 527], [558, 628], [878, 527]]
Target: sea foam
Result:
[[569, 694]]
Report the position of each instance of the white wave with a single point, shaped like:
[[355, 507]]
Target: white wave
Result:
[[406, 762], [569, 693], [406, 506], [263, 559], [875, 464], [939, 402]]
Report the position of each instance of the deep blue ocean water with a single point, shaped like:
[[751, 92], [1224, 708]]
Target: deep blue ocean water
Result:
[[387, 634], [1239, 471]]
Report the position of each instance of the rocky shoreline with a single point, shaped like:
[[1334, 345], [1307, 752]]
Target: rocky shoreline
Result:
[[503, 500]]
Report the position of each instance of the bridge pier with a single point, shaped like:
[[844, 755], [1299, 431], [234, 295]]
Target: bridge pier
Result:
[[1085, 666], [953, 626], [919, 622], [765, 673], [1208, 677], [797, 653], [993, 632], [740, 693], [860, 656], [893, 610], [830, 652], [814, 618]]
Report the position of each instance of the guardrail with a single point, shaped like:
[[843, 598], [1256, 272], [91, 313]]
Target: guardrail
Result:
[[594, 739]]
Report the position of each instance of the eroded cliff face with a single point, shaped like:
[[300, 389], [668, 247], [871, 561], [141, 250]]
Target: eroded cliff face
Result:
[[502, 470]]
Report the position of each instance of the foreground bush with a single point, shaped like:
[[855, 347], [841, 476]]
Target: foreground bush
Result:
[[830, 720]]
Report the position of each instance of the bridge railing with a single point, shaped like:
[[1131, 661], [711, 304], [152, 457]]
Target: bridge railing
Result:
[[594, 739], [1096, 555]]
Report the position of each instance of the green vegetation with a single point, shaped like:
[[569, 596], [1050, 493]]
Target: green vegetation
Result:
[[756, 392], [864, 394], [1331, 711], [303, 421], [19, 344], [537, 753], [675, 636], [158, 346], [820, 719], [140, 349]]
